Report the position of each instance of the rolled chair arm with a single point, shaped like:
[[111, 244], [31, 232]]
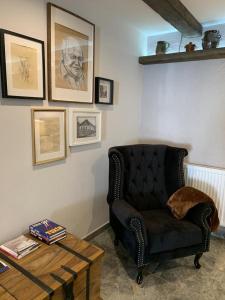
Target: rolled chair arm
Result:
[[129, 217], [199, 215]]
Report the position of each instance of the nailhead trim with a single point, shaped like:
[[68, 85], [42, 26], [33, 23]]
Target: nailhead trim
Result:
[[117, 177], [206, 233], [180, 168], [136, 226]]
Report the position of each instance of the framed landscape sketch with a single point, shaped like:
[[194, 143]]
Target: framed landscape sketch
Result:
[[49, 135], [70, 56], [22, 66], [103, 90], [84, 126]]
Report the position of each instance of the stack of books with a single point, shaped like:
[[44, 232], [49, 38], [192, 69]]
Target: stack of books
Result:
[[48, 231], [19, 247], [3, 267]]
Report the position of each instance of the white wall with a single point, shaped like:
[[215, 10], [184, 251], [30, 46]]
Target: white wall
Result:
[[184, 104], [71, 192]]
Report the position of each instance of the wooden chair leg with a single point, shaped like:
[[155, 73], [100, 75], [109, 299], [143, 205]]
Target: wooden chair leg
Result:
[[196, 260], [139, 278]]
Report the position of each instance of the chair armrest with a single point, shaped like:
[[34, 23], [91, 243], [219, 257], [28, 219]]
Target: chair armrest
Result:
[[129, 217], [199, 215]]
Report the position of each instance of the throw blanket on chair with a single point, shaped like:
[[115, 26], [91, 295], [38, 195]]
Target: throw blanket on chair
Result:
[[187, 197]]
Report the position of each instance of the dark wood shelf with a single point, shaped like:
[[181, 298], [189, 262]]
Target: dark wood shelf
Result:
[[182, 56]]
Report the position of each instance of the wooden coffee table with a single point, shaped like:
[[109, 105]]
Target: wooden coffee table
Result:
[[69, 269]]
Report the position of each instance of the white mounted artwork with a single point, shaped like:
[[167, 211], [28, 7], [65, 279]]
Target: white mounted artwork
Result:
[[84, 126]]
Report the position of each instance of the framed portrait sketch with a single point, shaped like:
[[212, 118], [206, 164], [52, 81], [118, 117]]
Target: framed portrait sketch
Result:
[[84, 126], [70, 56], [48, 134], [22, 66], [103, 91]]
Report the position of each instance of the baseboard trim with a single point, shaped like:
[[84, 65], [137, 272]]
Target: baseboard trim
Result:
[[96, 232]]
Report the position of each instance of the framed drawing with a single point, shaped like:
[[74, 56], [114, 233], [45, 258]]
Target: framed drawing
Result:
[[49, 135], [70, 56], [103, 91], [22, 67], [84, 126]]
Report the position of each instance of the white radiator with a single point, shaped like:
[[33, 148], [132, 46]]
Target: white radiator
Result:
[[210, 181]]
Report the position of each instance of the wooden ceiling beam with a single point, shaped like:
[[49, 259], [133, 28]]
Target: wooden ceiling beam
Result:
[[174, 12]]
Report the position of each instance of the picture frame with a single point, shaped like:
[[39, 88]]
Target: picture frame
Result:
[[84, 126], [104, 90], [48, 134], [22, 66], [71, 43]]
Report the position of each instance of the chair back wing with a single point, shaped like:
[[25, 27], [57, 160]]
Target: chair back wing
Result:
[[174, 169], [145, 175]]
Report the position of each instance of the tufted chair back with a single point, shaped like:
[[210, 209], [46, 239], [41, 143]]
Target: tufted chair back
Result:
[[141, 172]]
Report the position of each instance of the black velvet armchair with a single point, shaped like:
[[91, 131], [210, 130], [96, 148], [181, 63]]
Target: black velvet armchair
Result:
[[141, 180]]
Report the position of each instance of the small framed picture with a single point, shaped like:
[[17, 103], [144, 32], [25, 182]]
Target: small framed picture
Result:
[[49, 135], [71, 41], [103, 90], [22, 66], [84, 126]]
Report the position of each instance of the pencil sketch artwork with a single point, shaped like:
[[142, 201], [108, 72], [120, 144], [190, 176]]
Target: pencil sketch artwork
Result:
[[103, 90], [49, 129], [86, 127], [71, 59], [24, 67]]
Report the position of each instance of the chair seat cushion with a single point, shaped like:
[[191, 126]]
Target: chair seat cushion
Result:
[[165, 233]]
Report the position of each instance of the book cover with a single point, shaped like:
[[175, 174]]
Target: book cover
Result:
[[3, 267], [36, 233], [47, 228], [28, 251], [48, 241], [18, 246]]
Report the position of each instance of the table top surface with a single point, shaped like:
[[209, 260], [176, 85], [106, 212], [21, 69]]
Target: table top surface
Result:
[[62, 259]]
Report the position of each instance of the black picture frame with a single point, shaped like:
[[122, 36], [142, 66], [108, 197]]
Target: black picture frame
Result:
[[41, 90], [98, 98]]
